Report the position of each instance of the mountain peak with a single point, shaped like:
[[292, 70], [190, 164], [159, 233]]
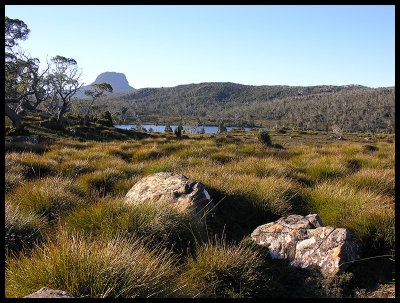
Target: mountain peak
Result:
[[118, 82]]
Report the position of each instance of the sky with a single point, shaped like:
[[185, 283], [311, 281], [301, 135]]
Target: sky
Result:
[[167, 45]]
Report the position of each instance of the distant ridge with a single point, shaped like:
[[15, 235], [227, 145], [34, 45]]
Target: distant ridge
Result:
[[354, 107], [118, 82]]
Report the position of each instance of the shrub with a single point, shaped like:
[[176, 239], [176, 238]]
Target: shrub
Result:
[[168, 128], [178, 131], [221, 128], [86, 267], [264, 138], [370, 148], [105, 119]]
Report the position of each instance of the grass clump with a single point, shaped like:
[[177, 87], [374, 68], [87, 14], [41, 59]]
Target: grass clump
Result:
[[30, 165], [74, 168], [219, 269], [96, 268], [324, 169], [100, 182], [82, 184], [221, 157], [25, 147], [162, 222], [51, 197], [12, 180], [146, 154], [22, 228], [368, 215], [377, 180]]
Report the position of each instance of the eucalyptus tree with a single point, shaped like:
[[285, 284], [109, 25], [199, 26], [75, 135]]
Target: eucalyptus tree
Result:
[[64, 82], [221, 128], [25, 86], [168, 128], [97, 91]]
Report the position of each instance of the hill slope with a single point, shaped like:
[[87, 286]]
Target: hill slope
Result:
[[352, 107]]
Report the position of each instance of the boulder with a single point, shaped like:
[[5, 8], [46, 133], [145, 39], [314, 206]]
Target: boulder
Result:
[[172, 188], [306, 242], [46, 292]]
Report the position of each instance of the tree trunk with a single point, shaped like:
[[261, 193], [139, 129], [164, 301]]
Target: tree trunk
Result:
[[61, 112], [85, 119], [16, 120]]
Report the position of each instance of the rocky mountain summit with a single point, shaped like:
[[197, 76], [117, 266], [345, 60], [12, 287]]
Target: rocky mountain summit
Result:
[[118, 82]]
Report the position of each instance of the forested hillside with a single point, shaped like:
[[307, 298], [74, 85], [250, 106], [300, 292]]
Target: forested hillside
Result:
[[345, 108]]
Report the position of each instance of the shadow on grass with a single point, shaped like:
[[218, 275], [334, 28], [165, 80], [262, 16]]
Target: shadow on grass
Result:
[[236, 216]]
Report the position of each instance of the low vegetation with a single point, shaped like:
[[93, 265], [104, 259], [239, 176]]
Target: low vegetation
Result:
[[67, 228], [324, 107]]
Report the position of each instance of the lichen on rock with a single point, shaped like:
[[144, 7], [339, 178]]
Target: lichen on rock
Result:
[[306, 242]]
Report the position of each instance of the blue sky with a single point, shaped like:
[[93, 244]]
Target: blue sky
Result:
[[166, 45]]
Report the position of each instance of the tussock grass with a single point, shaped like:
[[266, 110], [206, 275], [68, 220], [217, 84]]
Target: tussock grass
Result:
[[264, 167], [218, 269], [351, 150], [74, 168], [115, 151], [378, 180], [62, 153], [128, 145], [349, 184], [100, 182], [30, 165], [96, 268], [131, 169], [121, 187], [371, 161], [78, 145], [164, 223], [170, 147], [271, 194], [22, 228], [92, 154], [18, 147], [325, 168], [12, 180], [170, 163], [146, 154], [50, 197], [107, 162], [368, 215], [221, 157]]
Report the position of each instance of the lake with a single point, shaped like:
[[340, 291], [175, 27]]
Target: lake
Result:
[[188, 130]]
